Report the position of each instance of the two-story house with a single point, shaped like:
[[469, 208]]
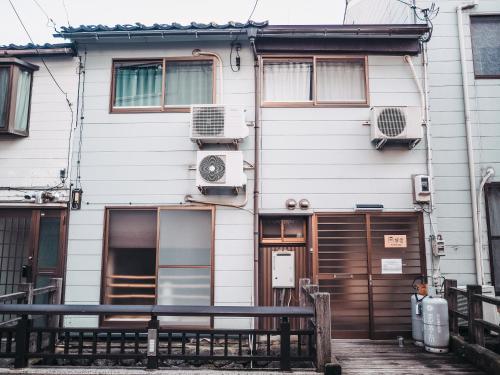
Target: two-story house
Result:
[[36, 122], [290, 175], [463, 89]]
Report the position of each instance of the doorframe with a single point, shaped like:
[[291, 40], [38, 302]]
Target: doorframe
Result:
[[487, 187]]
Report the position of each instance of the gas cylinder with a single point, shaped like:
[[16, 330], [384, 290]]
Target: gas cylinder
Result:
[[436, 328], [417, 324]]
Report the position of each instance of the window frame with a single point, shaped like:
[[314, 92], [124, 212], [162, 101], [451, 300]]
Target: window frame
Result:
[[162, 107], [314, 103], [282, 239], [157, 209], [15, 66], [473, 48]]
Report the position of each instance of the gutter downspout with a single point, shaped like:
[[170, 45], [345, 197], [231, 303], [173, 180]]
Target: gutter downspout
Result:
[[470, 150], [424, 98], [256, 185], [489, 173]]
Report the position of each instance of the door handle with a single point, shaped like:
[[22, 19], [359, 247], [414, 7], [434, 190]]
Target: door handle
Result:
[[343, 276]]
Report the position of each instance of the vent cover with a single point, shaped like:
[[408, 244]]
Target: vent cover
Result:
[[213, 168], [391, 121], [208, 121]]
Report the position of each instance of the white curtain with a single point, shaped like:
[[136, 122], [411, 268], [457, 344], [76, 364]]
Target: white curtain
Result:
[[189, 83], [287, 81], [22, 100], [4, 95], [340, 81]]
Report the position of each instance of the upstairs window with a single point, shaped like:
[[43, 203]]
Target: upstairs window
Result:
[[485, 34], [161, 85], [314, 81], [15, 96]]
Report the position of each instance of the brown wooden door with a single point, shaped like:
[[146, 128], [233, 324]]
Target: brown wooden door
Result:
[[366, 300]]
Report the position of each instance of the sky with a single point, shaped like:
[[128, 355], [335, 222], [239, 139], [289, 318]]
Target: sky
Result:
[[111, 12]]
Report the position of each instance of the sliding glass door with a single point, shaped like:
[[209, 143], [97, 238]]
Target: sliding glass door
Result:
[[185, 262], [159, 255]]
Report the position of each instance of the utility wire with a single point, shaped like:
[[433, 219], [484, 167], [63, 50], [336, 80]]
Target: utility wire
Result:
[[65, 94], [66, 11], [235, 41], [50, 21], [41, 58]]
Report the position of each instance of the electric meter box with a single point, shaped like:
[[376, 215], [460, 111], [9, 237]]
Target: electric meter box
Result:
[[421, 188], [283, 269]]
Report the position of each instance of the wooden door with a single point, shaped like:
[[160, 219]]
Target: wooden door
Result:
[[366, 301]]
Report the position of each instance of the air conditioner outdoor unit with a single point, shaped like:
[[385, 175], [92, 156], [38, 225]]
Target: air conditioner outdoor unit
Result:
[[490, 312], [396, 125], [216, 123], [220, 169]]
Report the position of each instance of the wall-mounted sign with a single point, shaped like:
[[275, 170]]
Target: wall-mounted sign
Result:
[[395, 240], [392, 266]]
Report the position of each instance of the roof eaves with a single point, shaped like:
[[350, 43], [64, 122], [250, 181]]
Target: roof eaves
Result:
[[38, 49]]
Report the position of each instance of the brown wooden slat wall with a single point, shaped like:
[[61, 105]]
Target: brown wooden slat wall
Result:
[[350, 248], [342, 249], [269, 296], [391, 293]]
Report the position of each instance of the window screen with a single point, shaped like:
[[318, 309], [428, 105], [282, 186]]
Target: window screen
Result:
[[485, 34]]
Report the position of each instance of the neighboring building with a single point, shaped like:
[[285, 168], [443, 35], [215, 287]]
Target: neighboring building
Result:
[[481, 52], [138, 239], [35, 129]]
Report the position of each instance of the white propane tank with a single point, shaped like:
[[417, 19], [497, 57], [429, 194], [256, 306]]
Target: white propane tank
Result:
[[436, 328], [417, 323]]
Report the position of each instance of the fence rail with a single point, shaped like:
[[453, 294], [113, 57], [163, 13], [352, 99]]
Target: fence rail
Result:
[[476, 325], [153, 344]]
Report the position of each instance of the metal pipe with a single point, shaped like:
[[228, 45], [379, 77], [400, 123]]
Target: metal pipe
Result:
[[197, 52], [468, 131], [489, 173], [256, 182], [189, 198]]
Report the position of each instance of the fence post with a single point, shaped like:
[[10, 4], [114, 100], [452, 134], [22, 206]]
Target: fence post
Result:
[[22, 342], [451, 298], [303, 299], [152, 352], [55, 298], [323, 330], [476, 331], [285, 361], [28, 289]]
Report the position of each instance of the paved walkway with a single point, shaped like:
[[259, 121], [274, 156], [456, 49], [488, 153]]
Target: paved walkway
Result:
[[387, 358]]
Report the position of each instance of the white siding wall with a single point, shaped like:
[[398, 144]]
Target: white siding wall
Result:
[[144, 159], [35, 161], [448, 130]]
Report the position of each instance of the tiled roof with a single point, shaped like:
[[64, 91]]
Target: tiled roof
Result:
[[158, 27], [31, 46]]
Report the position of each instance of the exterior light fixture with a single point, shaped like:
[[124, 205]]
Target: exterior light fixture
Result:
[[369, 207], [304, 204], [291, 204], [76, 199]]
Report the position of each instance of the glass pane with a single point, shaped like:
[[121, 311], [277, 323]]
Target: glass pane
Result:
[[340, 81], [132, 228], [294, 228], [4, 95], [48, 245], [22, 100], [138, 84], [184, 286], [271, 228], [485, 33], [189, 83], [185, 237], [41, 281], [288, 81]]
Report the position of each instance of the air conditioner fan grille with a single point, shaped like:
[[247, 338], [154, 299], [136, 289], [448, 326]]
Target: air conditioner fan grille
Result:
[[391, 121], [213, 168], [208, 121]]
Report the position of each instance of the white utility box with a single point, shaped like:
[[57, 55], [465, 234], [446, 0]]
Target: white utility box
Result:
[[283, 269]]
